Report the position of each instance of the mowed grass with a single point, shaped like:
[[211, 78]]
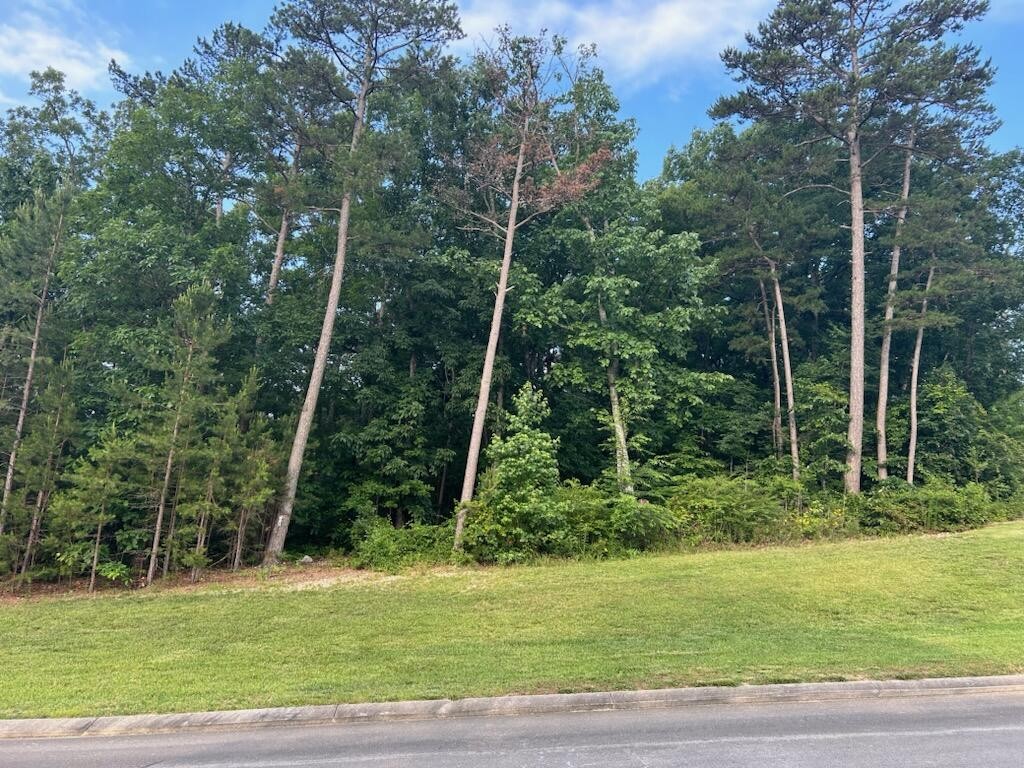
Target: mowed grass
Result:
[[901, 607]]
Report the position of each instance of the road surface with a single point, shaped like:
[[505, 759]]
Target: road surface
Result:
[[975, 731]]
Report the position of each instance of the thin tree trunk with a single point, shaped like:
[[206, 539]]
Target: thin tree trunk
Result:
[[769, 324], [26, 392], [43, 496], [96, 550], [855, 429], [915, 370], [33, 532], [890, 310], [282, 232], [169, 549], [275, 268], [236, 555], [623, 470], [484, 395], [168, 468], [275, 545], [204, 520], [794, 440]]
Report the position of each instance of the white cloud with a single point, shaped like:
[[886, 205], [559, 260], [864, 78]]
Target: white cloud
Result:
[[638, 41], [55, 33]]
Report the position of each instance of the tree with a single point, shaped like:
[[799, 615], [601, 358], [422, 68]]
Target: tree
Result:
[[40, 234], [629, 303], [752, 223], [195, 336], [512, 175], [366, 42], [848, 67]]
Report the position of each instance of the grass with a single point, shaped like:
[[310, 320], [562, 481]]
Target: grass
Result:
[[900, 607]]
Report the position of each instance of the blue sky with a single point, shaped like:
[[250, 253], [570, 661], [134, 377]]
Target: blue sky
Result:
[[661, 55]]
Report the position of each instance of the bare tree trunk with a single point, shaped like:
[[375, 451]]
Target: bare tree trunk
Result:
[[168, 468], [96, 549], [169, 549], [275, 268], [26, 392], [236, 555], [282, 232], [33, 532], [855, 429], [794, 440], [623, 469], [275, 545], [890, 310], [484, 395], [769, 324], [204, 520], [915, 370]]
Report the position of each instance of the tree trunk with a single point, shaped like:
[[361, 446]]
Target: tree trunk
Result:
[[169, 549], [204, 520], [275, 268], [855, 429], [890, 302], [484, 395], [168, 468], [236, 555], [769, 324], [33, 532], [26, 392], [915, 370], [43, 495], [275, 545], [794, 440], [96, 550], [623, 470]]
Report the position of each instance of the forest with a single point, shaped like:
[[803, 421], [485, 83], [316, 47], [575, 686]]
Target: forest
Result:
[[333, 288]]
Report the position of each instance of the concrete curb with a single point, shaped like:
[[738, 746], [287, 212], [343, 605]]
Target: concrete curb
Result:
[[502, 705]]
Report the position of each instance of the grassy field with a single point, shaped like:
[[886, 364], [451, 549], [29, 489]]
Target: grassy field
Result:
[[902, 607]]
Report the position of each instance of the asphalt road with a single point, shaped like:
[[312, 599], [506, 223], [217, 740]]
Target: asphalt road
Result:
[[979, 731]]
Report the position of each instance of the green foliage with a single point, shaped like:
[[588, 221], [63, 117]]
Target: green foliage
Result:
[[118, 573], [935, 506], [728, 510], [167, 366], [518, 514], [381, 546]]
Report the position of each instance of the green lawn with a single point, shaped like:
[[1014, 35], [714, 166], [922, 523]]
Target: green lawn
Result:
[[901, 607]]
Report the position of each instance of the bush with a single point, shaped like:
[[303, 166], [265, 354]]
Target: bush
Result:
[[518, 514], [728, 510], [896, 507], [381, 546]]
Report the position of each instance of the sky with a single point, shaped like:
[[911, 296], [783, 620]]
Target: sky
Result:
[[661, 56]]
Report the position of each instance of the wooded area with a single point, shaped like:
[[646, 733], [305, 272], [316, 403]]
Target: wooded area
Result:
[[328, 286]]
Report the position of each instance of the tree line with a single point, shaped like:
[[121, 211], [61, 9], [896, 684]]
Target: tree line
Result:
[[326, 285]]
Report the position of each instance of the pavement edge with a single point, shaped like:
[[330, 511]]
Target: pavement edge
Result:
[[123, 725]]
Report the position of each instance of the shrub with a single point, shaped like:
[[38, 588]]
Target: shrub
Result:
[[518, 513], [381, 546], [896, 507], [822, 518], [728, 510]]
